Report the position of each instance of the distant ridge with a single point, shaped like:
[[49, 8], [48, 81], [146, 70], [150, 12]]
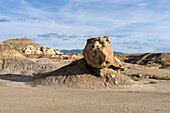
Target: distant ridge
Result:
[[72, 51], [117, 52], [80, 51]]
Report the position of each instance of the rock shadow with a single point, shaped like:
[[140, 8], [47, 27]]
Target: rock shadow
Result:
[[77, 67], [17, 78]]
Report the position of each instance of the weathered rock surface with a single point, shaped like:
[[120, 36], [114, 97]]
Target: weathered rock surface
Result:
[[98, 53], [57, 51]]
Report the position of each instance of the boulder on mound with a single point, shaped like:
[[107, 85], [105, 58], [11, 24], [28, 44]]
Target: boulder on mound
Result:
[[84, 74], [98, 53]]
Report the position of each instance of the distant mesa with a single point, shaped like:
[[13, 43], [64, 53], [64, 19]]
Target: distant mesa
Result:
[[72, 51], [115, 52]]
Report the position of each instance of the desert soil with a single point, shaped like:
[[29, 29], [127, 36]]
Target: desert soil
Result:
[[16, 97]]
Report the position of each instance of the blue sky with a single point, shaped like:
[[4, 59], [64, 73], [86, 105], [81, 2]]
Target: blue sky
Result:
[[134, 26]]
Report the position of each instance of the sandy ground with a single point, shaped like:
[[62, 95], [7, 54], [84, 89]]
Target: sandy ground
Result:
[[16, 97]]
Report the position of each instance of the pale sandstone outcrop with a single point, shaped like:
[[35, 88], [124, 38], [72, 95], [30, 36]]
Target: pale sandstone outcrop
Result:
[[98, 53], [40, 50]]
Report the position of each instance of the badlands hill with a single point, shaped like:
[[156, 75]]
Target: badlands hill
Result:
[[30, 48], [13, 62], [147, 59], [20, 43]]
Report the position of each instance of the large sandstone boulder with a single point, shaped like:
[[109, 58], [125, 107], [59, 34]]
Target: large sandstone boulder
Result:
[[98, 53]]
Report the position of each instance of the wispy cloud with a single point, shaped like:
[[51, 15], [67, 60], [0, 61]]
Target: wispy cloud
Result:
[[4, 20]]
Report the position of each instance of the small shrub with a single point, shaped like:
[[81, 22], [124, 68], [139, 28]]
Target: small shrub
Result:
[[163, 64]]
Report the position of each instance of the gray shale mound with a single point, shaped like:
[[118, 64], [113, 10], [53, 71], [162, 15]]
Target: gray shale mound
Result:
[[78, 74]]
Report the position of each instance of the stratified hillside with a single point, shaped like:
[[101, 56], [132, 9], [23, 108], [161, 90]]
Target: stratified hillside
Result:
[[149, 59]]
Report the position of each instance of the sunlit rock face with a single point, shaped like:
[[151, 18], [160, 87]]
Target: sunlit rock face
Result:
[[98, 53]]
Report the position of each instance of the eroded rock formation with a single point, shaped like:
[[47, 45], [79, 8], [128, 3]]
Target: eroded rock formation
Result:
[[41, 50], [98, 53]]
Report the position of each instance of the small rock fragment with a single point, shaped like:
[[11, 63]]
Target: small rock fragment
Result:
[[116, 82]]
